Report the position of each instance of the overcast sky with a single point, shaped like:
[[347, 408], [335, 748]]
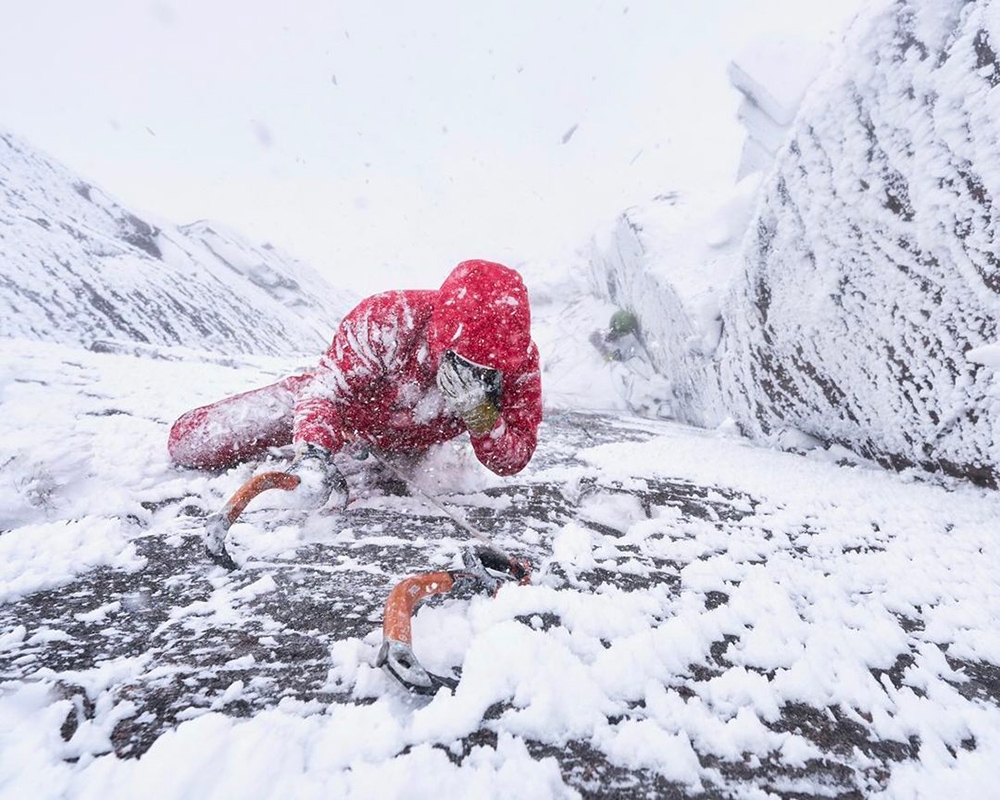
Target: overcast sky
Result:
[[384, 141]]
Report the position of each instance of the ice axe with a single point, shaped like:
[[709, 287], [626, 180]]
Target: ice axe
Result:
[[221, 521], [484, 571], [218, 524]]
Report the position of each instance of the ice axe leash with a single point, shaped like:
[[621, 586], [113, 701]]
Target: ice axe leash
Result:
[[484, 570], [465, 526]]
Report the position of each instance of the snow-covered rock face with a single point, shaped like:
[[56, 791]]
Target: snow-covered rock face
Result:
[[669, 262], [671, 337], [871, 269], [76, 267]]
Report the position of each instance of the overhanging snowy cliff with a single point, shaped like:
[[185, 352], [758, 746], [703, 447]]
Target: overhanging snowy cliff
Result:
[[871, 268]]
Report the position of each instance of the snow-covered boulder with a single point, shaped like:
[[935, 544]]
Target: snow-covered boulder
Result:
[[77, 267], [871, 278]]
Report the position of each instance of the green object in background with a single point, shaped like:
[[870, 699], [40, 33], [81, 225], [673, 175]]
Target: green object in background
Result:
[[622, 323]]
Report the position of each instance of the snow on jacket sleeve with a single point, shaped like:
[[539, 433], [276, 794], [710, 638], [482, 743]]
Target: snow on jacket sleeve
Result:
[[508, 448], [354, 370]]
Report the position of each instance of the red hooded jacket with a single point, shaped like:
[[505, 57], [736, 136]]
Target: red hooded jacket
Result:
[[377, 382]]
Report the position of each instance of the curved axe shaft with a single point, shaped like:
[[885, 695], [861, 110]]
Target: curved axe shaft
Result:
[[405, 597]]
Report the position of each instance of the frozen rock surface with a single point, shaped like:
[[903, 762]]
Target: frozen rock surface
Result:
[[707, 619], [871, 268]]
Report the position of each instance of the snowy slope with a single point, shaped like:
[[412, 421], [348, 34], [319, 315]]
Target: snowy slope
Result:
[[77, 267], [707, 619], [871, 268]]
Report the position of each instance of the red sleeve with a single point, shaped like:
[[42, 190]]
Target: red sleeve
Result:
[[354, 369], [508, 448]]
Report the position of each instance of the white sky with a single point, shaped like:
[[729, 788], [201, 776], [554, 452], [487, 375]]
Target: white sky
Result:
[[385, 141]]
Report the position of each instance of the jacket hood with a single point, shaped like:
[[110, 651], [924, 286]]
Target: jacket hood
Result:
[[482, 314]]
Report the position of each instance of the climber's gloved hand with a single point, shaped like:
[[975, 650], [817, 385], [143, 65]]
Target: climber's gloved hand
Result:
[[471, 391], [320, 482]]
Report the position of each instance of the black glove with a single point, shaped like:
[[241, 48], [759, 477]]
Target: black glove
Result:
[[471, 391], [320, 482]]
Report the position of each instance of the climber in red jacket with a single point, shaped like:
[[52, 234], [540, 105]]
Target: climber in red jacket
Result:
[[406, 370]]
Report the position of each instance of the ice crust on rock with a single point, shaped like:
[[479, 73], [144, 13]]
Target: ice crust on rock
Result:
[[848, 294], [870, 267]]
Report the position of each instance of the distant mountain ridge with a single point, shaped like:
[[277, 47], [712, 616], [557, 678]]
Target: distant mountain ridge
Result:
[[77, 267]]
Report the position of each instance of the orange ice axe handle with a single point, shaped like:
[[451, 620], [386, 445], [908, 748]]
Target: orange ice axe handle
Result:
[[403, 600], [220, 522]]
